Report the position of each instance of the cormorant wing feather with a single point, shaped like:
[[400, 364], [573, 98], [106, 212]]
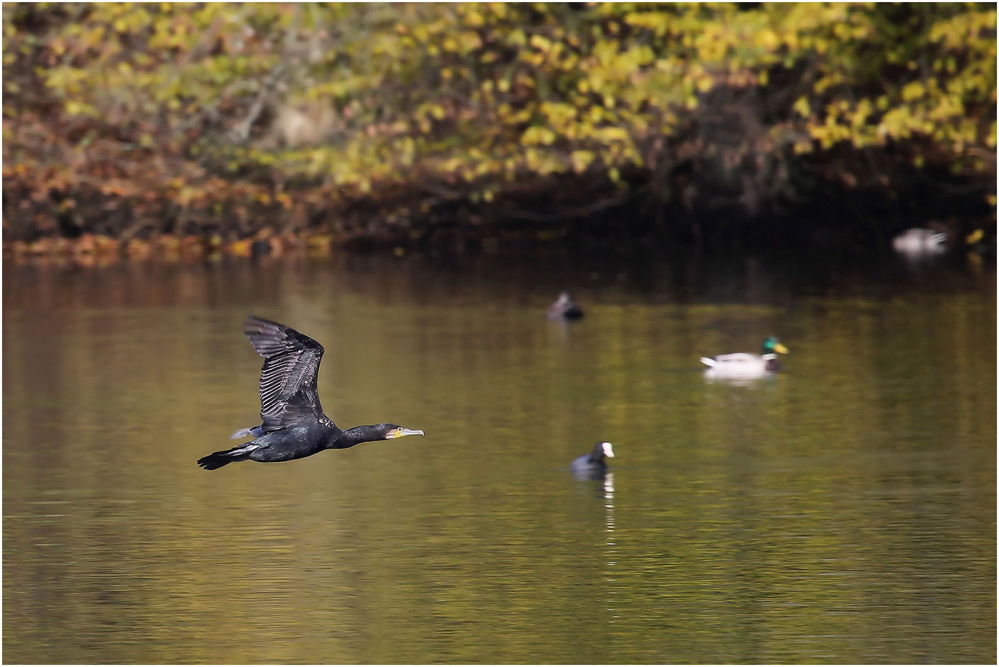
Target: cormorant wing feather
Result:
[[288, 393]]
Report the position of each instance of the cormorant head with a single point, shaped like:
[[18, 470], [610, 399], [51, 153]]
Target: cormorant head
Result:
[[370, 433], [392, 431], [771, 345]]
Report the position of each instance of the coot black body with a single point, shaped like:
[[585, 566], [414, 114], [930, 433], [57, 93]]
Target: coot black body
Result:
[[293, 422], [594, 464]]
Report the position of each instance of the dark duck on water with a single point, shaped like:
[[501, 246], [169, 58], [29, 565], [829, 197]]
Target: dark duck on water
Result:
[[594, 464], [294, 424], [564, 308]]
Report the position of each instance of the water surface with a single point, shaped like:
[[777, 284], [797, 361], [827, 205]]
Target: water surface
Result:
[[843, 511]]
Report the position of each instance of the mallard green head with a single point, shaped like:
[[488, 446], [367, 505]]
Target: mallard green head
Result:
[[772, 345]]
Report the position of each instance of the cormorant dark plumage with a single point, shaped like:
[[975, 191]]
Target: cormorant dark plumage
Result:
[[294, 424], [564, 308], [593, 465]]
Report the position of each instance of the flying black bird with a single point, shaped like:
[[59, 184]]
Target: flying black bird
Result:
[[294, 424]]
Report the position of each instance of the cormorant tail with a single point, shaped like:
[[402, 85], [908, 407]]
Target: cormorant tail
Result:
[[216, 460]]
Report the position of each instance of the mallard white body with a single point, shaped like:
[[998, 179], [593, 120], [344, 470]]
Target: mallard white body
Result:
[[740, 364], [745, 365]]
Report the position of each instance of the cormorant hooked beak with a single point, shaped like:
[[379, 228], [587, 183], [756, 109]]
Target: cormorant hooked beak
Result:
[[400, 432]]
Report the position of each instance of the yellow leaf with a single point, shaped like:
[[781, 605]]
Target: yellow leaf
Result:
[[581, 160], [802, 108]]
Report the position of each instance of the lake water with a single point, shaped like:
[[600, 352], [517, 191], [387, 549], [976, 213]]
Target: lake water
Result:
[[842, 511]]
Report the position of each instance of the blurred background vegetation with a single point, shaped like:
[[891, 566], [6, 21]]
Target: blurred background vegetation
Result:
[[394, 121]]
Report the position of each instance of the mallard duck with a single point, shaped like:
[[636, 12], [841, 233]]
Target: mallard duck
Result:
[[743, 364], [918, 241], [593, 465], [564, 308]]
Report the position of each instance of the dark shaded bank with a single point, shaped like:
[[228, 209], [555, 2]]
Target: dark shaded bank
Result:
[[835, 218], [568, 216]]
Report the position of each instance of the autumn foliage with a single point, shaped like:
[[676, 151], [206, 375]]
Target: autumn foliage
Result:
[[136, 120]]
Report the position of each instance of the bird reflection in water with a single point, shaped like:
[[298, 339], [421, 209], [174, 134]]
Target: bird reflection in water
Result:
[[611, 550], [735, 381]]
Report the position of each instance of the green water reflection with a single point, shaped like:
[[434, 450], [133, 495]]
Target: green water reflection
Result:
[[843, 511]]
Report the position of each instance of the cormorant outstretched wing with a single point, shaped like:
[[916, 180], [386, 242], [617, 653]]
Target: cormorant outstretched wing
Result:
[[288, 393]]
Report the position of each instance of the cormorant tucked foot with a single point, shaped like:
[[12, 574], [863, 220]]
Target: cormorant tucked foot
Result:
[[593, 465], [294, 424], [564, 308]]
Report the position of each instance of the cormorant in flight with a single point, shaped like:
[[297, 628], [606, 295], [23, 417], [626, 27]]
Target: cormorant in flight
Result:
[[294, 424]]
